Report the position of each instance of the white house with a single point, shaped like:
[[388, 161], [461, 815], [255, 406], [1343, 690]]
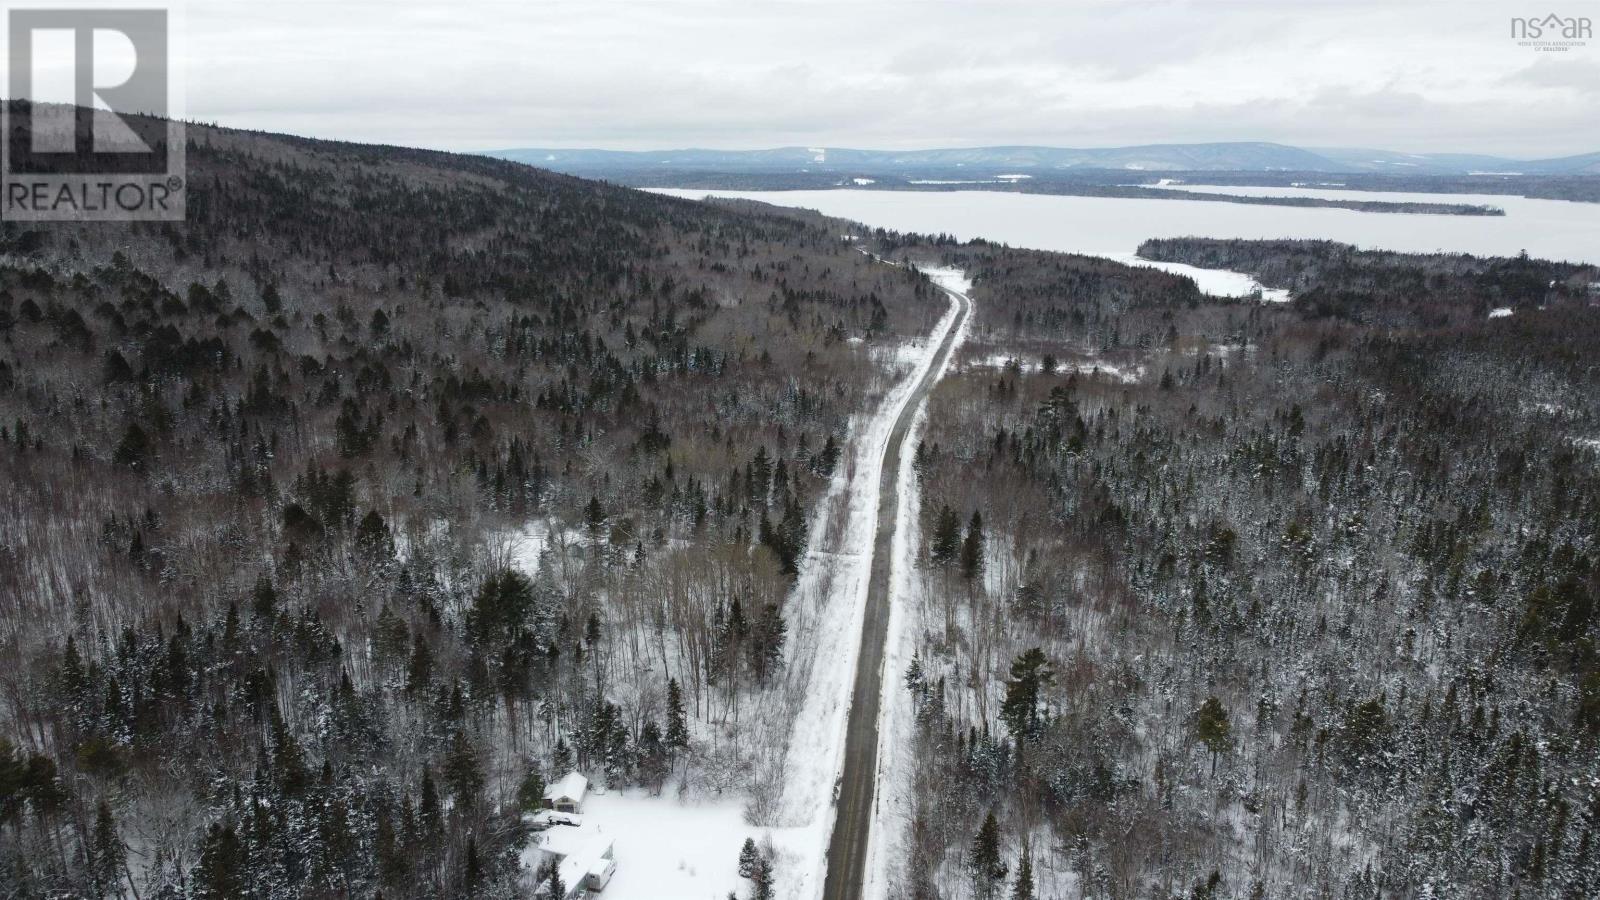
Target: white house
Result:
[[567, 794], [582, 855]]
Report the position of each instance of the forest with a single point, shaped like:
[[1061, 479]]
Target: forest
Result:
[[391, 485], [1233, 599]]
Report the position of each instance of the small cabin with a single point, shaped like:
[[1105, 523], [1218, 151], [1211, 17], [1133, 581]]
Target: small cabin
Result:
[[567, 794]]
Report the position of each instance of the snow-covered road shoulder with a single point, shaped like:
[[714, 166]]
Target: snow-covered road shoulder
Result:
[[828, 607]]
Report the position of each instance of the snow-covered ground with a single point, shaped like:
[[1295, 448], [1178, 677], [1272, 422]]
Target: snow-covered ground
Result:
[[523, 547], [949, 278], [530, 547], [897, 356], [892, 811], [669, 848], [1031, 364], [1216, 282], [663, 846]]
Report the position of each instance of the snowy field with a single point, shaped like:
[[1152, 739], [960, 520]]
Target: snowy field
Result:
[[670, 848], [1216, 282]]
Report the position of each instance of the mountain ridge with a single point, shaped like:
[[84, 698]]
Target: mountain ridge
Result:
[[1214, 156]]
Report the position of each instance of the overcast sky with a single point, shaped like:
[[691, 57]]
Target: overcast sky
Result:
[[738, 74]]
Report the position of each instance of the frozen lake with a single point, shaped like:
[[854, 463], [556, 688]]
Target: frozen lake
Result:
[[1114, 227]]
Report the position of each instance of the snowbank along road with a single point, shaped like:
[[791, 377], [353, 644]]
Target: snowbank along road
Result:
[[847, 849]]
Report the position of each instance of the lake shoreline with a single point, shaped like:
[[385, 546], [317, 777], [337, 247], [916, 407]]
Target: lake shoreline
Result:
[[1145, 192], [1114, 228]]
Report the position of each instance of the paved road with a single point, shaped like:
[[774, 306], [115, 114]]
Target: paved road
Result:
[[847, 849]]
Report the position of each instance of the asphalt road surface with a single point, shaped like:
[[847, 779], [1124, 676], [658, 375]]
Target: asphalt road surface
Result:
[[847, 849]]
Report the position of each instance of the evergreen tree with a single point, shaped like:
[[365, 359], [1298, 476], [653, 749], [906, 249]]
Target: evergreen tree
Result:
[[764, 880], [230, 629], [530, 792], [677, 738], [220, 872], [391, 637], [766, 641], [419, 670], [916, 678], [1206, 889], [337, 842], [556, 889], [462, 771], [392, 863], [1023, 889], [1587, 715], [826, 459], [116, 369], [373, 537], [1212, 729], [759, 478], [107, 856], [501, 606], [653, 757], [594, 517], [473, 874], [288, 762], [749, 858], [972, 549], [430, 812], [984, 864], [1030, 674], [133, 450], [1365, 729], [945, 542]]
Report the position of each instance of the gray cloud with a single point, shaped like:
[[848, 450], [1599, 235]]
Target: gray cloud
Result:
[[735, 73]]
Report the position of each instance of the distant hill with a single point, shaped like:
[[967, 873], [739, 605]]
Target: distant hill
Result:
[[1360, 160], [1246, 156]]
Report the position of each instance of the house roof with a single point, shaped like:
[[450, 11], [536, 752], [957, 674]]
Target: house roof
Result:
[[576, 850], [572, 786], [569, 841], [589, 860]]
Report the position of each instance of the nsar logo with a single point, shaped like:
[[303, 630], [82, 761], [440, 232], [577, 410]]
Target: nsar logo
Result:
[[1552, 32]]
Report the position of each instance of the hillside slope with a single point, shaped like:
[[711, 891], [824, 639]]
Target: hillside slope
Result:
[[390, 484]]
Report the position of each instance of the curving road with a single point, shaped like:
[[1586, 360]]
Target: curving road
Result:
[[847, 849]]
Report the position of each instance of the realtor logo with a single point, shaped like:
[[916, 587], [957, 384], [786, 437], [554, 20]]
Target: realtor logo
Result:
[[1552, 33], [91, 130]]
